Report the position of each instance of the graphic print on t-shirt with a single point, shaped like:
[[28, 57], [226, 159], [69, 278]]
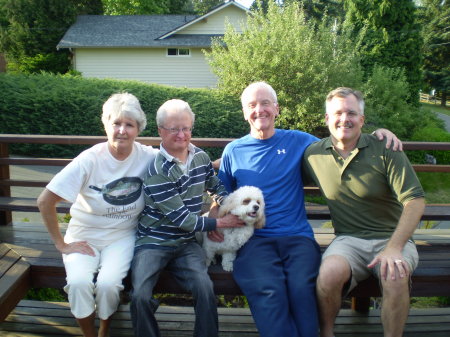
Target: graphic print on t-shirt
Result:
[[122, 191]]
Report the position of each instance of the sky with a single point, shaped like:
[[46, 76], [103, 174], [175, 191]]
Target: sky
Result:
[[246, 3]]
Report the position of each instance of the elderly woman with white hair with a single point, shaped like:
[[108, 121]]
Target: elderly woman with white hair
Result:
[[105, 186]]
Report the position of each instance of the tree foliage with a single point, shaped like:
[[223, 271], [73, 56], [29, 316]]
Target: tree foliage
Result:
[[204, 6], [302, 65], [31, 29], [146, 7], [391, 36], [386, 94], [436, 35], [314, 9]]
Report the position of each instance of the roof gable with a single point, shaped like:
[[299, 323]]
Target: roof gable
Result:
[[204, 18]]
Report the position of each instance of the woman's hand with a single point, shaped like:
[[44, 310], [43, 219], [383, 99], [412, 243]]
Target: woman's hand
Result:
[[47, 205], [81, 247]]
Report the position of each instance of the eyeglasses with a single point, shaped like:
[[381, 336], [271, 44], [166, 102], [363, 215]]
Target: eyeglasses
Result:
[[175, 131]]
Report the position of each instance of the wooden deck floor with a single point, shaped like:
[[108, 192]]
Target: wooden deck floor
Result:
[[33, 319]]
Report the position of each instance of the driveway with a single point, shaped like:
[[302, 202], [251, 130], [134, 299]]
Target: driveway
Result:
[[446, 119]]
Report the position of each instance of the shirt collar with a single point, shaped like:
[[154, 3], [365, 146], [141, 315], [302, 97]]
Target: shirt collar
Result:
[[362, 141], [169, 157]]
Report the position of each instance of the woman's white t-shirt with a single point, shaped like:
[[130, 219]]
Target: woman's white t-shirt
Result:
[[106, 193]]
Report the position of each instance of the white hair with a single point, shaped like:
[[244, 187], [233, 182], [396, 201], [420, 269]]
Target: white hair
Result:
[[258, 85], [176, 105], [124, 105]]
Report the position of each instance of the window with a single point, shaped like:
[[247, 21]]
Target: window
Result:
[[178, 52]]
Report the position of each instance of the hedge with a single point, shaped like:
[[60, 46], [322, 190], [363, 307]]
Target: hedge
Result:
[[71, 105]]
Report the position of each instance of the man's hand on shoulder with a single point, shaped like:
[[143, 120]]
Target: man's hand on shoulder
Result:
[[391, 139]]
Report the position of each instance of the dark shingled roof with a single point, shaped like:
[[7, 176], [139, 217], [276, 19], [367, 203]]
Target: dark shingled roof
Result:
[[101, 31]]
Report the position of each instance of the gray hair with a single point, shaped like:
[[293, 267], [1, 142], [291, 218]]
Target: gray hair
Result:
[[258, 85], [175, 105], [124, 105], [343, 92]]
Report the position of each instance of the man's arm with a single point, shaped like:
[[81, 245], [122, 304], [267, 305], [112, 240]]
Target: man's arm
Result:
[[412, 212], [216, 163]]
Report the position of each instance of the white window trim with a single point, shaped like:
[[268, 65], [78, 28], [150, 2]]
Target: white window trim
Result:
[[178, 50]]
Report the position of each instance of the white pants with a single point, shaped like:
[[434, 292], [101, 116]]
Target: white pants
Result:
[[112, 264]]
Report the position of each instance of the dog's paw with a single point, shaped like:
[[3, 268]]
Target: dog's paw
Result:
[[210, 260], [227, 265]]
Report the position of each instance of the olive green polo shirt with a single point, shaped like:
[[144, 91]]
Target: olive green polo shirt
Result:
[[366, 191]]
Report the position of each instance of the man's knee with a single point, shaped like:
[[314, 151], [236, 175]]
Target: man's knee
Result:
[[142, 299], [400, 285], [334, 271], [80, 281], [201, 284], [109, 285]]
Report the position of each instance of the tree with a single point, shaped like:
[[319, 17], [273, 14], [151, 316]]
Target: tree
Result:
[[302, 65], [264, 4], [31, 29], [391, 37], [147, 7], [134, 7], [314, 9], [180, 7], [204, 6], [436, 35]]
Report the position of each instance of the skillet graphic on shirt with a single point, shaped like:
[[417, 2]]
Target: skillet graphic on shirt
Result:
[[122, 191]]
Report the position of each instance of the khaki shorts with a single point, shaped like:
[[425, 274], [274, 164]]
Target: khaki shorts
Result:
[[360, 252]]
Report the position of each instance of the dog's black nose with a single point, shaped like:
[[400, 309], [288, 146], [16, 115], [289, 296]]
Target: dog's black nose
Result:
[[255, 207]]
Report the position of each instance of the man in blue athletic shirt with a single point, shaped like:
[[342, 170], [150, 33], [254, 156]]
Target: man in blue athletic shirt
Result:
[[277, 268]]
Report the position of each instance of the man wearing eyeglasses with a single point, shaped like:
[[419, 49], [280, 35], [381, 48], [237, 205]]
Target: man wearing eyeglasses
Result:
[[173, 191]]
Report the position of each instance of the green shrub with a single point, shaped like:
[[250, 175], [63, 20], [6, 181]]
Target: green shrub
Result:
[[46, 294], [430, 134], [71, 105], [57, 63], [386, 94]]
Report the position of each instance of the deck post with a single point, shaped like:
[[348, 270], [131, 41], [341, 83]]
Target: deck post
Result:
[[5, 191]]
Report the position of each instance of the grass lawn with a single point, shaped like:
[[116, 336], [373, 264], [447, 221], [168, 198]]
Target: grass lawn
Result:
[[436, 186], [430, 302]]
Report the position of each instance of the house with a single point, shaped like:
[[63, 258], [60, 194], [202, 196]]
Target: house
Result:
[[162, 49]]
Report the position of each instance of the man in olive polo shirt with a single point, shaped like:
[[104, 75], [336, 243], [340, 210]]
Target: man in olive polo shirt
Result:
[[375, 201]]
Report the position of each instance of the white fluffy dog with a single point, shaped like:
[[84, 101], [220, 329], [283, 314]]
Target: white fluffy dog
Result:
[[247, 203]]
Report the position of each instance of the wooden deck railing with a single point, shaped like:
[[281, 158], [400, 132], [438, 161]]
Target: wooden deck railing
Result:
[[5, 160]]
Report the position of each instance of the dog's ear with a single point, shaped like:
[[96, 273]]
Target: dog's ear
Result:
[[260, 221]]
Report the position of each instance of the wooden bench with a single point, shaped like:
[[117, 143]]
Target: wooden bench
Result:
[[43, 319], [14, 279], [34, 249]]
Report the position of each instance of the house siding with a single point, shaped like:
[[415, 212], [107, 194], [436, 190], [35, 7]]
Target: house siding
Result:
[[215, 23], [147, 65]]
